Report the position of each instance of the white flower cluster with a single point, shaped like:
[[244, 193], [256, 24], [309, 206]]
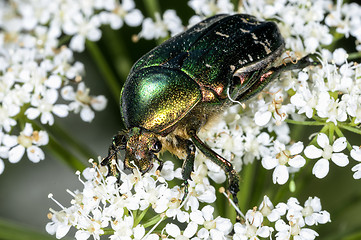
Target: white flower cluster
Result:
[[295, 224], [170, 24], [35, 68], [145, 207], [106, 207]]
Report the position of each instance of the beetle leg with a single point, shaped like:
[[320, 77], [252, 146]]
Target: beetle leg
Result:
[[160, 167], [271, 74], [111, 161], [188, 163], [118, 143], [233, 179]]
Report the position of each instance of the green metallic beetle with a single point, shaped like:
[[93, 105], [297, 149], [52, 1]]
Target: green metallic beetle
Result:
[[176, 88]]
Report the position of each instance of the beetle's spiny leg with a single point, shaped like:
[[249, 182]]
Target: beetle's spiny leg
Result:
[[266, 77], [161, 163], [233, 178], [188, 163], [112, 159]]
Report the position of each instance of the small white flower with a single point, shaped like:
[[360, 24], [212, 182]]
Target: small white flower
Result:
[[82, 102], [293, 229], [28, 141], [313, 213], [45, 106], [160, 28], [282, 158], [209, 7], [216, 228], [174, 231], [328, 152]]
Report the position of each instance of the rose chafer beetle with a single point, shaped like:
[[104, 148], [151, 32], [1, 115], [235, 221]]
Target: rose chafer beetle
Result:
[[176, 88]]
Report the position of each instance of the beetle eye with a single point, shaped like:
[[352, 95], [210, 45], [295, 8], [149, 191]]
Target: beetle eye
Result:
[[156, 147]]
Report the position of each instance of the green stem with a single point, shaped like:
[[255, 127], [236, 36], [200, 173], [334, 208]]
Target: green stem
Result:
[[152, 221], [331, 130], [116, 48], [103, 66], [307, 123], [350, 128], [63, 154], [245, 186], [10, 231], [151, 7], [140, 217], [61, 135], [355, 55]]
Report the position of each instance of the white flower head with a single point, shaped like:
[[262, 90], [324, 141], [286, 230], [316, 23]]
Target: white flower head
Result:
[[313, 213], [160, 27], [284, 159], [45, 106], [29, 141], [328, 152], [82, 102]]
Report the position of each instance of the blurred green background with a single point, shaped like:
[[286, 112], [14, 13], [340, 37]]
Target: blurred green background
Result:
[[24, 186]]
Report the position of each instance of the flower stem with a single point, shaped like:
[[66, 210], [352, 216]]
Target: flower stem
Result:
[[103, 66], [355, 55], [152, 221], [62, 153], [307, 123], [140, 217], [63, 136], [350, 128], [246, 185], [152, 7]]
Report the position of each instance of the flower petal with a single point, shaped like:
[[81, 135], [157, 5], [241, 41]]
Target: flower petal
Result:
[[296, 148], [357, 170], [297, 161], [190, 230], [269, 162], [262, 118], [340, 144], [313, 152], [16, 153], [322, 140], [280, 174], [35, 154], [340, 159], [2, 166], [172, 229], [356, 153], [321, 168]]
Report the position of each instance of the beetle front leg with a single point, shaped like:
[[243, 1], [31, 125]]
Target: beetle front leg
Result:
[[233, 178], [188, 163], [111, 161], [118, 143]]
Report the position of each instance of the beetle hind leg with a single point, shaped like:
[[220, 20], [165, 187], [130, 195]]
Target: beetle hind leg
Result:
[[261, 79]]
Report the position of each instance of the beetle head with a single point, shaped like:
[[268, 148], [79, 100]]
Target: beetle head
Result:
[[140, 148]]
